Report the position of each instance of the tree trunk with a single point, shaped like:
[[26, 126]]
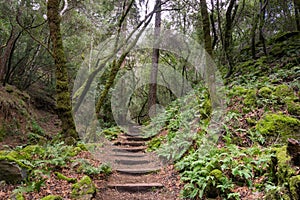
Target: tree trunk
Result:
[[230, 15], [209, 69], [214, 30], [7, 53], [253, 35], [206, 27], [63, 101], [155, 58], [263, 6], [297, 13]]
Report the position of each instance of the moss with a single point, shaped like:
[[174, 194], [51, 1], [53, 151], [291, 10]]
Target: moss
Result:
[[84, 187], [274, 125], [19, 196], [52, 197], [217, 174], [18, 155], [249, 100], [12, 159], [211, 190], [74, 151], [82, 146], [27, 152], [63, 177], [238, 91], [284, 169], [265, 92], [293, 108], [279, 193], [294, 184], [284, 93]]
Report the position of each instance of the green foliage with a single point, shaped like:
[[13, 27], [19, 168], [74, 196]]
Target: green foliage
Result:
[[111, 133], [219, 169], [36, 128], [154, 143], [88, 169]]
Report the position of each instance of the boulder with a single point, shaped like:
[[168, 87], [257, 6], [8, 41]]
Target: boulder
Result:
[[12, 170]]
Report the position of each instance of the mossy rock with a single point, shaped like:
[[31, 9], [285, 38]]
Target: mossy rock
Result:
[[12, 170], [52, 197], [294, 184], [83, 189], [282, 165], [293, 108], [284, 93], [250, 100], [265, 92], [27, 152], [274, 125]]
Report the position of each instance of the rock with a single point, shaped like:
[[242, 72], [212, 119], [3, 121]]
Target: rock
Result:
[[293, 150], [12, 170], [84, 189]]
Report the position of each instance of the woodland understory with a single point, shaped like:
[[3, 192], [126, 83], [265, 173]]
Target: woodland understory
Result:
[[212, 85]]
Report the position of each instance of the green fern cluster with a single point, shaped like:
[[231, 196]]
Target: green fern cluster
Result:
[[215, 172]]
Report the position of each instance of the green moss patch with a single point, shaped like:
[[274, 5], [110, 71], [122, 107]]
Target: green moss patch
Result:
[[294, 184], [279, 125], [52, 197], [60, 176], [83, 188]]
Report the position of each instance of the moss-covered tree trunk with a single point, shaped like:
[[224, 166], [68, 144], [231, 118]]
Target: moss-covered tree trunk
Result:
[[206, 27], [63, 101]]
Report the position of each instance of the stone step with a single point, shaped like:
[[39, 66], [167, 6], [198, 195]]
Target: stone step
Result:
[[129, 155], [134, 134], [129, 143], [137, 171], [130, 149], [135, 187], [132, 162], [134, 138]]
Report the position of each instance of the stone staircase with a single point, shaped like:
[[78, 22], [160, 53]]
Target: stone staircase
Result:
[[134, 169]]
